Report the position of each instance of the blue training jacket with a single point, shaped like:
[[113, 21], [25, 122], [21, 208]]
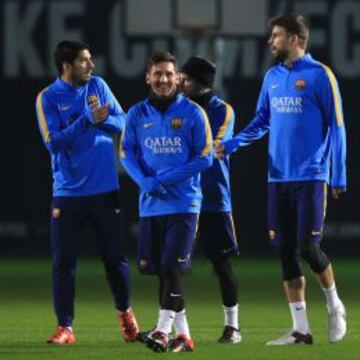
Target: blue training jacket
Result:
[[82, 153], [172, 147], [215, 180], [301, 109]]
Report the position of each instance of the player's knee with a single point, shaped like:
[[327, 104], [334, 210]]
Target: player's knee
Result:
[[311, 252], [222, 267], [114, 260], [307, 251], [170, 272], [115, 265], [290, 264], [64, 263]]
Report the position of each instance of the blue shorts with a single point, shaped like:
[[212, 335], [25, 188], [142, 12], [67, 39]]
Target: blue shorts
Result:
[[296, 211], [166, 240], [216, 234]]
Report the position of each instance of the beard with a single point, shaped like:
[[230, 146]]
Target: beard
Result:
[[79, 80], [280, 55]]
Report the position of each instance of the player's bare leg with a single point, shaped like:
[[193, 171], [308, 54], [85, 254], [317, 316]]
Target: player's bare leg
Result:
[[300, 333]]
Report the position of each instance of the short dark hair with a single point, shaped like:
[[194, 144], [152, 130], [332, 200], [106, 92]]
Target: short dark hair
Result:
[[294, 24], [161, 56], [67, 51]]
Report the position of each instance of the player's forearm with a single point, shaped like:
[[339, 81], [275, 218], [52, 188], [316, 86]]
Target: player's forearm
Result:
[[338, 158], [186, 171], [114, 124], [133, 168], [64, 139], [254, 131]]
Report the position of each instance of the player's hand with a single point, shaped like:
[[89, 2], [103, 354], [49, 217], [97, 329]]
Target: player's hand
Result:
[[336, 192], [152, 186], [93, 103], [100, 114], [219, 151], [159, 191]]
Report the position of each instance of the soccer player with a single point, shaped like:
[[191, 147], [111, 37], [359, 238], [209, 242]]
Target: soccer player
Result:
[[217, 237], [300, 107], [166, 144], [77, 116]]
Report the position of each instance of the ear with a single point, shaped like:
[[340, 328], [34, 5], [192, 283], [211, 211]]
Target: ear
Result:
[[147, 78], [65, 66], [294, 39], [178, 77]]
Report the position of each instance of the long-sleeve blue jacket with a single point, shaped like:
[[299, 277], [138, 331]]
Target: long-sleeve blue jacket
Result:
[[300, 106], [215, 180], [171, 148], [82, 153]]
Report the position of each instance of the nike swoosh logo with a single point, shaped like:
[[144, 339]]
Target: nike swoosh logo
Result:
[[65, 107], [226, 251], [147, 125], [274, 86], [298, 308], [180, 260], [314, 233], [175, 295]]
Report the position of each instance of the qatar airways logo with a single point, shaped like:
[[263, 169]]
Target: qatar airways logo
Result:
[[164, 144], [287, 104]]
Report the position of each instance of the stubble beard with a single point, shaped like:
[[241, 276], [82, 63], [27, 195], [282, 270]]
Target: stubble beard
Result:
[[79, 80], [280, 55]]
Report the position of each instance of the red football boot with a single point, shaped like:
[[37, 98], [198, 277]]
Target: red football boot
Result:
[[181, 344], [62, 335], [129, 325]]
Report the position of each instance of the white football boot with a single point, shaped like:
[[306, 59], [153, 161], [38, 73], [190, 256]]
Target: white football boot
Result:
[[292, 337], [230, 335], [337, 324]]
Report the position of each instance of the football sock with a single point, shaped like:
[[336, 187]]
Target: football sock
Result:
[[165, 321], [181, 324], [299, 317], [231, 316], [332, 298]]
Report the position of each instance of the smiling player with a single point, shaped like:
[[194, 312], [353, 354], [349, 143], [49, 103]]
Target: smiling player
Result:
[[166, 144]]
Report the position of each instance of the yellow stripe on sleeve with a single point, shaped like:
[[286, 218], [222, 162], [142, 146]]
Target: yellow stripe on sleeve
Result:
[[42, 120], [209, 139], [121, 149], [233, 228], [334, 88], [224, 126]]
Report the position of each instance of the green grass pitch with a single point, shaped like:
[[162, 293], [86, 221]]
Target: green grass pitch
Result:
[[26, 316]]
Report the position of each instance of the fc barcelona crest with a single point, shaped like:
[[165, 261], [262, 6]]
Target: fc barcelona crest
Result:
[[93, 100], [300, 84], [176, 123]]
